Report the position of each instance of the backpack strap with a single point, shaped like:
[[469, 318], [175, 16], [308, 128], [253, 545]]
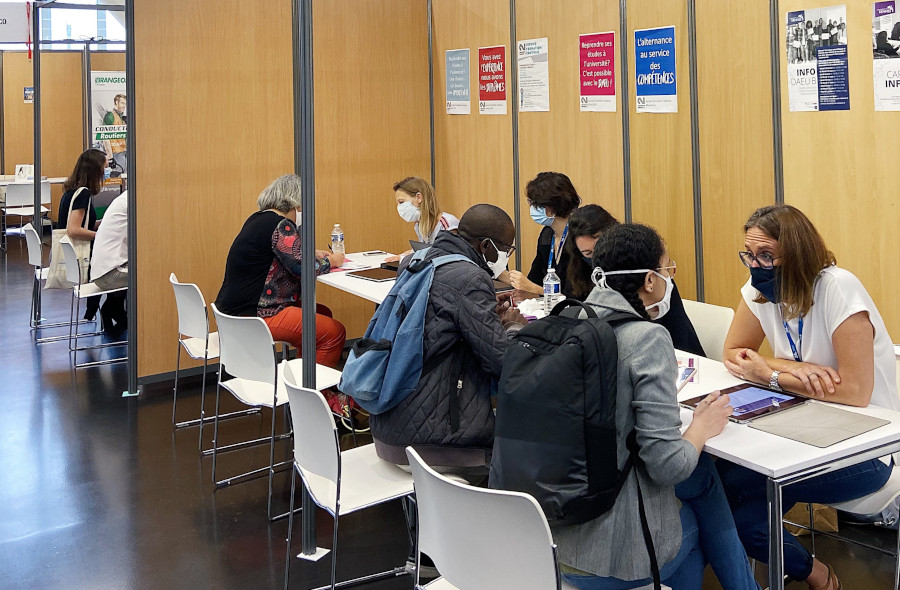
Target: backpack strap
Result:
[[634, 458]]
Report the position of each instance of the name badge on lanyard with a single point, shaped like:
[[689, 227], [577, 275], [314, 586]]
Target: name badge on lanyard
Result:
[[796, 349], [553, 252]]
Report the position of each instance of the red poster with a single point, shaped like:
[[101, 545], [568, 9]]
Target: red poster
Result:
[[492, 80], [598, 72]]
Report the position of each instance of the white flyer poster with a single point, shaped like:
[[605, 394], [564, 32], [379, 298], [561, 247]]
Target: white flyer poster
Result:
[[534, 75], [14, 19], [886, 55], [817, 62], [109, 117]]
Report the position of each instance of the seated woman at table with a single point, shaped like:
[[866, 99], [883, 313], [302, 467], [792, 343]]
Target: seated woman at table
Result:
[[416, 203], [76, 209], [829, 343], [552, 198], [632, 276], [262, 272], [586, 225]]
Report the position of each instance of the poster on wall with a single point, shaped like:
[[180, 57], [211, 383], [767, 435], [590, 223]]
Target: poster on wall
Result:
[[456, 63], [534, 75], [886, 56], [597, 65], [14, 17], [29, 94], [492, 80], [654, 68], [108, 116], [816, 43]]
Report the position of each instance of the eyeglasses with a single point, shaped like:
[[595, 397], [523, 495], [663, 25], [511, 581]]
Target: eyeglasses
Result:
[[671, 269], [498, 244], [763, 259]]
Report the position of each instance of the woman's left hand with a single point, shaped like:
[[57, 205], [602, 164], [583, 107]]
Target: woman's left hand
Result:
[[749, 366], [322, 254], [521, 283]]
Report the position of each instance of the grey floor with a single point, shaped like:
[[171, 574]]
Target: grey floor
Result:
[[98, 492]]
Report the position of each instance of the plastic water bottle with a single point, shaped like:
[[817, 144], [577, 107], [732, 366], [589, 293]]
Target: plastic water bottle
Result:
[[337, 240], [551, 289]]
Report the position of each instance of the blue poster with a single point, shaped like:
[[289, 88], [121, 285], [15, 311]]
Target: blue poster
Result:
[[457, 68], [834, 79], [654, 66]]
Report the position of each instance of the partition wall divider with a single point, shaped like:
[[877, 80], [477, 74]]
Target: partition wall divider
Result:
[[695, 147], [626, 116], [778, 151], [514, 77]]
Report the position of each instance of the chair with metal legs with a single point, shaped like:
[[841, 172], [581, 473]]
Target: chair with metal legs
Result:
[[199, 343], [247, 354], [83, 291], [338, 481]]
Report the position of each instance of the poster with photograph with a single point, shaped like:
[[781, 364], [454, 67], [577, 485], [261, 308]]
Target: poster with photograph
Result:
[[886, 55], [456, 63], [816, 43], [492, 80], [534, 75], [108, 116], [597, 62], [654, 69], [29, 94]]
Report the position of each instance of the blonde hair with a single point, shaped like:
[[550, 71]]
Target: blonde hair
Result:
[[429, 212]]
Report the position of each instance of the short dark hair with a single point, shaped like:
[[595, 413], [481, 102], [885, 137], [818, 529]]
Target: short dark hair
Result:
[[629, 246], [484, 221], [554, 190], [88, 171]]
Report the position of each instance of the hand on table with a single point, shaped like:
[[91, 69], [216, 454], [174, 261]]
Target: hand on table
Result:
[[335, 259], [521, 283], [749, 366], [322, 254], [817, 379], [392, 258]]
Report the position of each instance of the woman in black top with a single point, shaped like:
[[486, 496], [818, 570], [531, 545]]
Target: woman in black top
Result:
[[87, 175], [585, 226], [552, 198]]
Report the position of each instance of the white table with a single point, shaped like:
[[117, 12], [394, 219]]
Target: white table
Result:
[[374, 292], [784, 461]]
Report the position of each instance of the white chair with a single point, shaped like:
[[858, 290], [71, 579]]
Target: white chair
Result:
[[339, 482], [247, 354], [711, 323], [199, 343], [82, 291], [20, 202]]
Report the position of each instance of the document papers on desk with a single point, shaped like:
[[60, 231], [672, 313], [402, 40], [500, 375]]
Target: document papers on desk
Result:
[[816, 424]]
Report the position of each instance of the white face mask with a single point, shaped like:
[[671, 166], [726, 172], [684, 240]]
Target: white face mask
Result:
[[407, 211], [498, 266], [598, 277]]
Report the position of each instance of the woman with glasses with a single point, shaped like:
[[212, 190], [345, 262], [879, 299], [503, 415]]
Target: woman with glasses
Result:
[[586, 225], [552, 198], [829, 343]]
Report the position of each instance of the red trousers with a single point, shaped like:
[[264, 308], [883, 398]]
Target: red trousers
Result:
[[287, 325]]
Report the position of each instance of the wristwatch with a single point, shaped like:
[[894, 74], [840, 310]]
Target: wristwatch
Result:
[[773, 380]]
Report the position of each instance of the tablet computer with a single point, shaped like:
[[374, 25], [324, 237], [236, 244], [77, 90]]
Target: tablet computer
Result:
[[379, 275], [501, 287], [416, 246], [752, 401]]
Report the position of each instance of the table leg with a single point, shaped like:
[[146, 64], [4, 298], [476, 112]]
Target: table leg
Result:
[[776, 536]]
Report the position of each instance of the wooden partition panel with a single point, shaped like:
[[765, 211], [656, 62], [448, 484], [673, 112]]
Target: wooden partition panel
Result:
[[661, 176], [112, 61], [736, 159], [840, 169], [473, 153], [372, 128], [214, 125], [587, 147]]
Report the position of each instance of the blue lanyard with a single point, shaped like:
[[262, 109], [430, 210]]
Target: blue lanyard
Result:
[[562, 241], [787, 331]]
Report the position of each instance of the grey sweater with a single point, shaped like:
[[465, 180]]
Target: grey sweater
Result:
[[613, 545]]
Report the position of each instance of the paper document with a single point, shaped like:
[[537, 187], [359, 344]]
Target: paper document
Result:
[[817, 424]]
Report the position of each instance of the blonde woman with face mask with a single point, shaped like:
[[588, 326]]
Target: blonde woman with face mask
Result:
[[417, 204]]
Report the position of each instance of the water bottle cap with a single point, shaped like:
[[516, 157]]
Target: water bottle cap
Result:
[[551, 269]]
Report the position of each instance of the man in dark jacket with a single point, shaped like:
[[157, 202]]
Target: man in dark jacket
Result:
[[449, 417]]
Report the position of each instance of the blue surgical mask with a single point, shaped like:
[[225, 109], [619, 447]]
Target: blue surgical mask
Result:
[[539, 216], [767, 281]]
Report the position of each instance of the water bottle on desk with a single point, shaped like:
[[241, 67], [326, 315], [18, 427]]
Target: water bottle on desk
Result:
[[337, 239], [551, 289]]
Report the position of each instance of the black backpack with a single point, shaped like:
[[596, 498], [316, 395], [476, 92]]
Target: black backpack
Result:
[[555, 434]]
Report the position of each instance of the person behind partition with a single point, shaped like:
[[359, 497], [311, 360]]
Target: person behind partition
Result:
[[829, 343], [76, 203], [552, 198], [449, 417], [262, 272], [416, 203], [586, 225], [632, 276], [109, 264]]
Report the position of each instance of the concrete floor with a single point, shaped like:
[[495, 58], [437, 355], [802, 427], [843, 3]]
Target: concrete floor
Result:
[[98, 492]]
